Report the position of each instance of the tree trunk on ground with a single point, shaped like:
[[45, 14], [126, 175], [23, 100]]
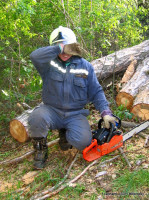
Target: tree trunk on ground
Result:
[[19, 127], [119, 61]]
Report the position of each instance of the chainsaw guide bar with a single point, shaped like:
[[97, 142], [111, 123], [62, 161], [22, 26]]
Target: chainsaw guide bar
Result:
[[135, 130]]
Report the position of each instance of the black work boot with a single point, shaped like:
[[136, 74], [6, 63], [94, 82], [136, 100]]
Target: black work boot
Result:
[[41, 152], [64, 145]]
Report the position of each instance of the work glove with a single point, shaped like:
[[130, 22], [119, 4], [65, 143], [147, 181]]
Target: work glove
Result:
[[74, 49], [108, 119]]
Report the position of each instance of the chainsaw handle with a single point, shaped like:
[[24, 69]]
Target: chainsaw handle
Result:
[[99, 123], [111, 131], [118, 124]]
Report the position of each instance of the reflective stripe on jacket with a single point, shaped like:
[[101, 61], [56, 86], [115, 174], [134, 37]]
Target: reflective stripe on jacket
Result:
[[67, 85]]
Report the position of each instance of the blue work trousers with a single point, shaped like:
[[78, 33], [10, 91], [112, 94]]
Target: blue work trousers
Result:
[[45, 117]]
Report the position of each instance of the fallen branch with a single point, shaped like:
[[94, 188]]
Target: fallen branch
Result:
[[19, 159], [67, 184], [60, 183], [73, 180], [126, 124], [124, 156], [111, 159], [143, 135]]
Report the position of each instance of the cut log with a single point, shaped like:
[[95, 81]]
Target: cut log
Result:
[[141, 104], [131, 89], [119, 61], [19, 127]]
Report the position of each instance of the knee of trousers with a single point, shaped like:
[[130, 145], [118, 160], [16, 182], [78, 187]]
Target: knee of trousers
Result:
[[38, 126], [79, 141]]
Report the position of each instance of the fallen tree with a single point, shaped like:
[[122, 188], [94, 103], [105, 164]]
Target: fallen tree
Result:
[[118, 62], [133, 91]]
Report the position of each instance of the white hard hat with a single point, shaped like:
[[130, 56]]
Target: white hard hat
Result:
[[62, 34]]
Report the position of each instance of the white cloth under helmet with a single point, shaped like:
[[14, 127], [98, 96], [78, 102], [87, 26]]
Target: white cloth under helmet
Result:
[[62, 35]]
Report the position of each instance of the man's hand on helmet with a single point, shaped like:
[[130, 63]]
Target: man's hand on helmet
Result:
[[108, 119], [73, 49]]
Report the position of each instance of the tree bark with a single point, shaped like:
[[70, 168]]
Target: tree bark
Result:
[[127, 76], [105, 66], [19, 128], [132, 88], [141, 104]]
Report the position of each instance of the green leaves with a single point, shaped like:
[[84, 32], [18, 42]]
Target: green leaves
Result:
[[123, 113]]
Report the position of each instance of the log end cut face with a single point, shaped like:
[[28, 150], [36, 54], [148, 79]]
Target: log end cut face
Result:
[[125, 99], [141, 111], [18, 131]]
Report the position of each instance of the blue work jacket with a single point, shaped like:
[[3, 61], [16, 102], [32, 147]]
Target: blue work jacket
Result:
[[70, 85]]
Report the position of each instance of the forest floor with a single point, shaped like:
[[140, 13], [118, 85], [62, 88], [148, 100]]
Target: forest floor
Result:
[[117, 180]]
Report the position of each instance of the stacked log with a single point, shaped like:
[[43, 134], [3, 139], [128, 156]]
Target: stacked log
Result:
[[141, 104], [134, 94]]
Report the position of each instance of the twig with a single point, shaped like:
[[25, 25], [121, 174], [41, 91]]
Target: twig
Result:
[[146, 144], [123, 154], [74, 180], [126, 124], [143, 135], [19, 159], [111, 159], [67, 184], [60, 183], [26, 105]]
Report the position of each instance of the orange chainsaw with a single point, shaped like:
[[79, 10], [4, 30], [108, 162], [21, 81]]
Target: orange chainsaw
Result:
[[107, 140]]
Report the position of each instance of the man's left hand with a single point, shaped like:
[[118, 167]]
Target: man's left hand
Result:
[[109, 119]]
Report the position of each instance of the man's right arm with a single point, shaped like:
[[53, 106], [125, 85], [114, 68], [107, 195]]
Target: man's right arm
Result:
[[42, 56]]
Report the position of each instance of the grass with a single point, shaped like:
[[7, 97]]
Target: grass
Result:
[[72, 192], [132, 183]]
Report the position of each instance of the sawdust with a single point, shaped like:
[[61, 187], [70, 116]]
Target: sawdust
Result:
[[5, 186], [29, 177]]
